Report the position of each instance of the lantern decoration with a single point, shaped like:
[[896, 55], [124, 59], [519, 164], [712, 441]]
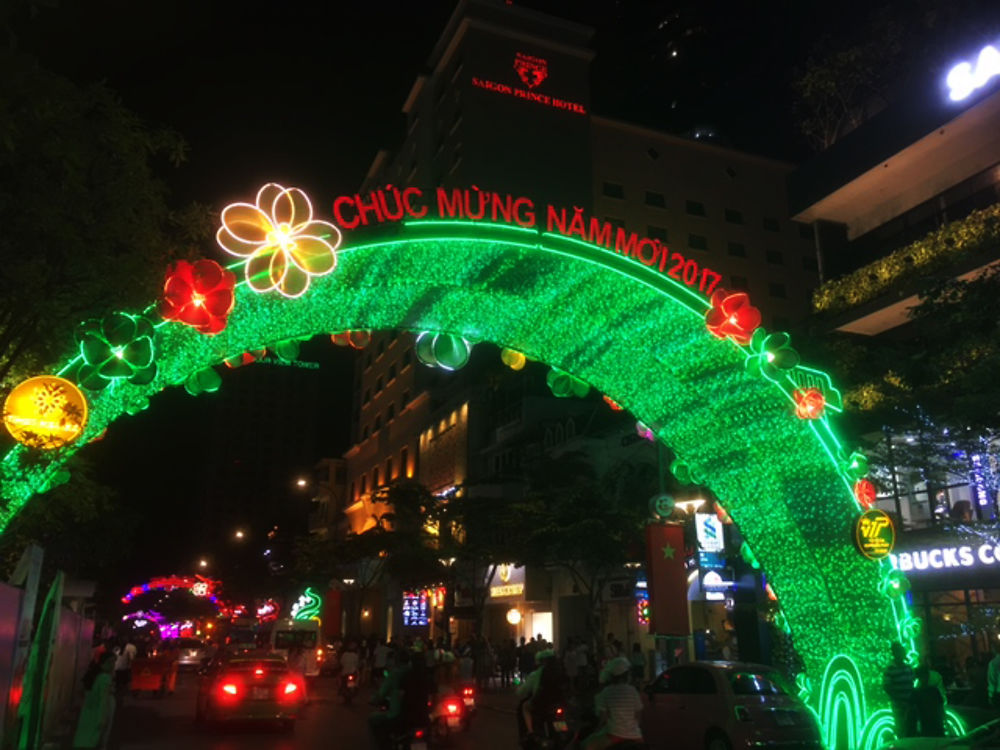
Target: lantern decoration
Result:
[[642, 611], [644, 432], [662, 506], [855, 466], [445, 351], [246, 358], [865, 493], [45, 412], [564, 385], [117, 348], [287, 351], [894, 584], [203, 381], [614, 406], [771, 354], [198, 294], [353, 339], [283, 245], [732, 316], [513, 359], [809, 403], [684, 473]]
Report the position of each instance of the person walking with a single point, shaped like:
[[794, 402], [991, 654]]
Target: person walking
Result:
[[123, 666], [928, 702], [98, 711], [638, 663], [508, 662], [993, 678], [897, 681]]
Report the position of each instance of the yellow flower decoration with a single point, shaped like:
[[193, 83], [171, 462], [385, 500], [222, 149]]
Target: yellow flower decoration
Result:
[[282, 243]]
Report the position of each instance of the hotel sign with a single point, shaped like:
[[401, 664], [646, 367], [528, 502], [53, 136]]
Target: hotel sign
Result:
[[531, 72]]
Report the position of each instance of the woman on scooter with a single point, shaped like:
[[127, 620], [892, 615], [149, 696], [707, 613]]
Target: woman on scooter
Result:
[[618, 706]]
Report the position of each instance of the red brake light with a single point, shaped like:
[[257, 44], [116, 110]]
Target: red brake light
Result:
[[230, 688], [467, 691], [350, 677], [419, 733], [559, 712], [290, 688], [452, 708], [258, 672]]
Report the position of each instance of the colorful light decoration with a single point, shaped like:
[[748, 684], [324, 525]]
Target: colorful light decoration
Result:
[[283, 244], [514, 360], [865, 493], [117, 348], [268, 610], [308, 606], [45, 412], [614, 406], [564, 385], [644, 432], [771, 354], [732, 316], [199, 295], [431, 275], [353, 339], [642, 611], [809, 403], [246, 358], [442, 350], [875, 534], [197, 585]]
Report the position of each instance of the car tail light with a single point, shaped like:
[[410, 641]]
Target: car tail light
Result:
[[467, 691], [743, 713], [559, 712], [258, 672], [230, 688], [451, 708], [319, 653], [419, 734], [290, 688], [350, 677]]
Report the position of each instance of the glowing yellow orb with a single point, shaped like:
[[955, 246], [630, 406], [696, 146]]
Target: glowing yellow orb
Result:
[[513, 616], [45, 412], [514, 360]]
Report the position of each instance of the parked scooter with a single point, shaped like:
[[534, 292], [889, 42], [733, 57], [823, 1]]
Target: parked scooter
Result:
[[348, 687]]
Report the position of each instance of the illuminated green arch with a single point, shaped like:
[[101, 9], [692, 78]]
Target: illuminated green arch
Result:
[[638, 337]]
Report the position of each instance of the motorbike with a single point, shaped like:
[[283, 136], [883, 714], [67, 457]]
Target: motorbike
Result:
[[469, 700], [551, 732], [348, 687]]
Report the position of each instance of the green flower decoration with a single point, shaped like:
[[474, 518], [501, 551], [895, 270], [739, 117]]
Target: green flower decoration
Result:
[[119, 347], [564, 385], [771, 355], [804, 684], [684, 473], [910, 627], [894, 584], [855, 466], [203, 381]]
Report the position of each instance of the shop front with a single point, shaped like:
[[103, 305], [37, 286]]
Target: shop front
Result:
[[509, 611]]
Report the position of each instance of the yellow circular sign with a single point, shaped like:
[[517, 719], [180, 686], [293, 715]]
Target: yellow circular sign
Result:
[[875, 534], [45, 412]]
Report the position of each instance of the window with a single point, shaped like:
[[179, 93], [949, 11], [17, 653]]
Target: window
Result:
[[697, 242], [775, 257], [390, 413], [364, 484], [739, 283], [378, 423], [406, 398], [375, 479], [766, 683], [381, 347], [379, 384], [364, 433], [776, 290], [656, 233], [368, 396], [737, 249], [809, 263], [616, 223], [655, 199], [388, 469], [770, 224], [407, 357], [404, 465], [685, 680], [613, 190], [733, 216], [695, 208], [392, 373], [368, 360]]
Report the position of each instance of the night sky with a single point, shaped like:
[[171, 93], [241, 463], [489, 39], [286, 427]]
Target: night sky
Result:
[[305, 93]]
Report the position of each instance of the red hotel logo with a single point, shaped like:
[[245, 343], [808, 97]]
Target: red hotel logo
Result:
[[533, 70]]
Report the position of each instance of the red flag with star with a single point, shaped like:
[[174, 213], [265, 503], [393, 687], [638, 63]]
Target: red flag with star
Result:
[[667, 580]]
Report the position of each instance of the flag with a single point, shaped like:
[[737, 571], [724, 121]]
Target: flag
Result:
[[667, 580]]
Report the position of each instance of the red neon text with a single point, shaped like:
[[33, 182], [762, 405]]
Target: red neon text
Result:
[[519, 93]]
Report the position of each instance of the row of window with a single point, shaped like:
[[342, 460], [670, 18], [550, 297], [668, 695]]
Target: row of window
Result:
[[697, 208], [390, 414], [381, 347], [378, 478]]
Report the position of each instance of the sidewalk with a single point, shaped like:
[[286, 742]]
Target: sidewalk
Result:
[[502, 700]]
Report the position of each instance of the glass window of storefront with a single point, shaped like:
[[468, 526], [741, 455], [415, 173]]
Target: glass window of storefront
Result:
[[960, 626]]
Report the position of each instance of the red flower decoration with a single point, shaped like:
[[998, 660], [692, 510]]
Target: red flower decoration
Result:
[[809, 403], [198, 294], [865, 493], [614, 406], [732, 316]]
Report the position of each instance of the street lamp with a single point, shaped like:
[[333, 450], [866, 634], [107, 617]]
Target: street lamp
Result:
[[301, 482], [690, 506], [239, 534], [203, 563]]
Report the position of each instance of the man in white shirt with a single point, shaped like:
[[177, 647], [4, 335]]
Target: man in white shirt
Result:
[[380, 659]]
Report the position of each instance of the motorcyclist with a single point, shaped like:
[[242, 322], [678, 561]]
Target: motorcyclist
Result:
[[348, 663], [539, 694], [404, 694], [618, 706]]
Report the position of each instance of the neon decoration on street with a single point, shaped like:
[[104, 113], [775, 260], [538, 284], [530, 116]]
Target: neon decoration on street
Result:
[[283, 244], [416, 608], [569, 291], [198, 586], [198, 294], [308, 606], [809, 403], [964, 78], [532, 70], [45, 412]]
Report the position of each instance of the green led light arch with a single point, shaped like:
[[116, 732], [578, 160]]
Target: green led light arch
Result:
[[638, 337]]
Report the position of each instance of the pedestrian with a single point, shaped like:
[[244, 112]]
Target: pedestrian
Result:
[[508, 662], [928, 702], [525, 660], [123, 665], [638, 664], [571, 667], [98, 711], [897, 681], [380, 657], [993, 678]]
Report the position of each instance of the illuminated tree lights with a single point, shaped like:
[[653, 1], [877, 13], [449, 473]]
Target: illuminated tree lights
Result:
[[442, 350], [572, 306], [283, 244], [732, 316], [198, 294], [119, 347]]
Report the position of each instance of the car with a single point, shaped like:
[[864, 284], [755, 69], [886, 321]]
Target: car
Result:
[[724, 706], [249, 688], [980, 738], [191, 653]]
